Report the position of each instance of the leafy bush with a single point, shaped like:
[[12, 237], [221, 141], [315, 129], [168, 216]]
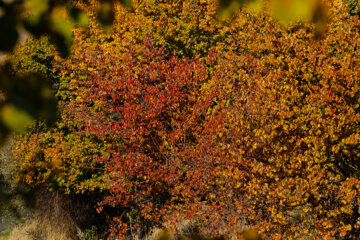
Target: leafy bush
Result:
[[231, 126]]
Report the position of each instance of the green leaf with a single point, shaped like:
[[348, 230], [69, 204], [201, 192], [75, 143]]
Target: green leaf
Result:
[[126, 3], [62, 30], [15, 119], [106, 15], [227, 8], [61, 25], [37, 8], [80, 17], [293, 10]]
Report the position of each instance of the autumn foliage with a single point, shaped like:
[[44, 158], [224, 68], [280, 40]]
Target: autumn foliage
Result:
[[230, 125]]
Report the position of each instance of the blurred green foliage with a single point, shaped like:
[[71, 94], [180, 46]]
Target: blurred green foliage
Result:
[[25, 94], [26, 82], [285, 12]]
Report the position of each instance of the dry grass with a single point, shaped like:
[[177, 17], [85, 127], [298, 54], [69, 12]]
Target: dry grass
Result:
[[50, 220], [42, 229]]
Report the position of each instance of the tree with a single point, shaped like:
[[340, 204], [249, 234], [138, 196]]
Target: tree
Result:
[[246, 124]]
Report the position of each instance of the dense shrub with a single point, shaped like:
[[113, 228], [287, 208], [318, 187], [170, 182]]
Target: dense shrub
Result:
[[244, 124]]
